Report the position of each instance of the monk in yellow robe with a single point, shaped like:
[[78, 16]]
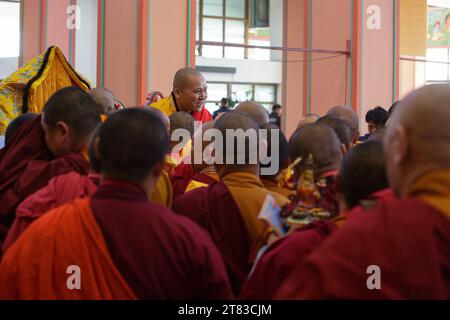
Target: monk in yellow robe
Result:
[[189, 94]]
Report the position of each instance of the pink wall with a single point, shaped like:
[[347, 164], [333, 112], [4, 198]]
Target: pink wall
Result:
[[168, 42], [330, 79], [293, 71], [31, 27], [377, 60], [120, 50], [57, 31]]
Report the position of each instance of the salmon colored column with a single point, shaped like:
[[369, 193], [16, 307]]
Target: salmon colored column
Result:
[[293, 69], [44, 24], [378, 83], [170, 29]]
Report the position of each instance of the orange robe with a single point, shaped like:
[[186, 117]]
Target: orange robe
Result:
[[125, 246], [273, 187]]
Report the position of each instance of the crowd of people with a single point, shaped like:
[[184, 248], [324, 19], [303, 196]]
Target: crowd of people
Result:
[[97, 203]]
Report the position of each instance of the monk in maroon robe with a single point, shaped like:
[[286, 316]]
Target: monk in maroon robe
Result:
[[203, 174], [400, 249], [229, 209], [60, 190], [44, 148], [135, 249], [282, 258]]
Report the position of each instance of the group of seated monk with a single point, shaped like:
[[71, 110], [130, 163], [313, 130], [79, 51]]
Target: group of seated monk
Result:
[[104, 204]]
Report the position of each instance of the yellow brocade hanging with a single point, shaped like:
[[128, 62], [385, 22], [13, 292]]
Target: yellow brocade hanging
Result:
[[36, 81]]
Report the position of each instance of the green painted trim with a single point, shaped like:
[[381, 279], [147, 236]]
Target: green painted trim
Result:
[[395, 64], [188, 55], [285, 37], [352, 8], [21, 33], [102, 48], [136, 46], [308, 104], [149, 41]]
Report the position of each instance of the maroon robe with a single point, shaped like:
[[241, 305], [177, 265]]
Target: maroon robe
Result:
[[282, 257], [26, 166], [215, 210], [180, 183], [408, 240], [159, 254]]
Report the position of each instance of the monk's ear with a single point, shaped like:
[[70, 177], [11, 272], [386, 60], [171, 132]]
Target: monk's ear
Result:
[[400, 145], [263, 148], [177, 92], [64, 135]]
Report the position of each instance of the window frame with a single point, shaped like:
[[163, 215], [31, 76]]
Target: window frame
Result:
[[224, 18]]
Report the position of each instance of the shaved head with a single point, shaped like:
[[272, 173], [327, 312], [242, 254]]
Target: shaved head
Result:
[[349, 116], [417, 139], [232, 121], [190, 91], [341, 128], [183, 77], [182, 120], [104, 98], [164, 119], [319, 141], [255, 111], [308, 119]]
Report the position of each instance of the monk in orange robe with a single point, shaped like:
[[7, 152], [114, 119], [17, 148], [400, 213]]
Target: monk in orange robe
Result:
[[229, 209], [51, 145], [189, 94], [400, 249], [116, 244], [286, 254]]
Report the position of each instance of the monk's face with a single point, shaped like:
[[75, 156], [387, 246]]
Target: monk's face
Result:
[[192, 97]]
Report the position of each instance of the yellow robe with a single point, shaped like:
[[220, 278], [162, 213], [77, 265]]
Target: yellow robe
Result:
[[166, 106], [250, 194], [163, 193]]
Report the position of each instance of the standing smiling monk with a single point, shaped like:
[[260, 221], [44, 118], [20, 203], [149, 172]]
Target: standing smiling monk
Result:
[[189, 94]]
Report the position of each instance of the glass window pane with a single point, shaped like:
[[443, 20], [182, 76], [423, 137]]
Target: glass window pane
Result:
[[235, 8], [212, 106], [197, 24], [217, 91], [213, 8], [234, 31], [212, 30], [9, 29], [265, 93], [436, 71], [212, 52], [234, 53], [241, 92]]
